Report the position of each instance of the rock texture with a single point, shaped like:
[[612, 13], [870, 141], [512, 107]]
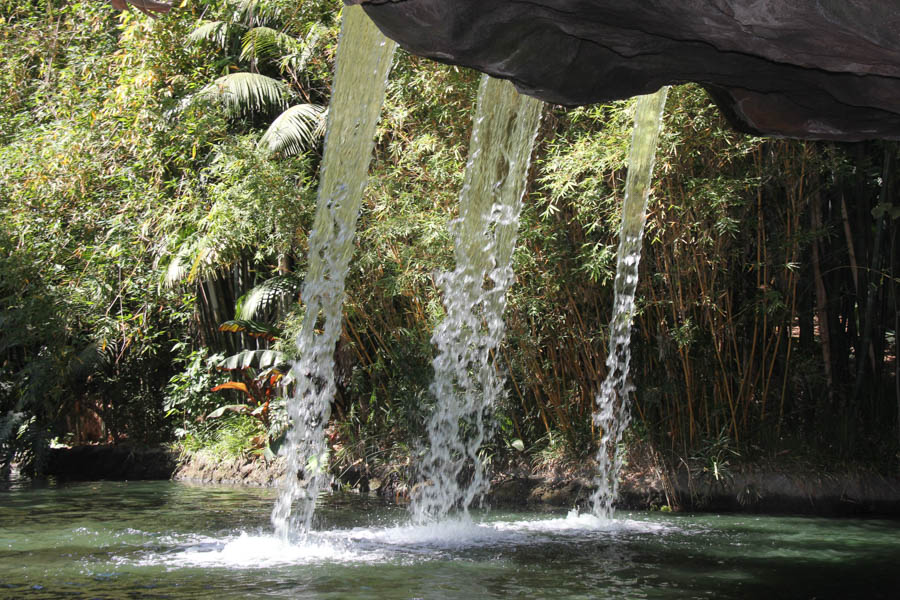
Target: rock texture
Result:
[[250, 471], [747, 491], [816, 69]]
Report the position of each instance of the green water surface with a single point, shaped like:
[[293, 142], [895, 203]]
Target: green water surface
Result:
[[170, 540]]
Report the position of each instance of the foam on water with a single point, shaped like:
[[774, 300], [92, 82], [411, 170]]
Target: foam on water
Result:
[[580, 525], [374, 545], [247, 551], [452, 534]]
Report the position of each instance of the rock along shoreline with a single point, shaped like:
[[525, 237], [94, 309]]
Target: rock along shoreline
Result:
[[748, 489]]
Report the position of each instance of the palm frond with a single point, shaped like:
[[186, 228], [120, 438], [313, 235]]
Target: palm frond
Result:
[[297, 129], [257, 359], [265, 42], [268, 295], [243, 93], [212, 31], [87, 361]]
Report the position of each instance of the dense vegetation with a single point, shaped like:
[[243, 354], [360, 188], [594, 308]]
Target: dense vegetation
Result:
[[157, 179]]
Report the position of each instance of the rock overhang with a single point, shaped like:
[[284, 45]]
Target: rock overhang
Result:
[[811, 69]]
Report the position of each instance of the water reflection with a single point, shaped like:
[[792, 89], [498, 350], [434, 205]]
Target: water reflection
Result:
[[166, 540]]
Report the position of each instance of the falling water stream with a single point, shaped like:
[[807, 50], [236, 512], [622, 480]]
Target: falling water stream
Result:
[[363, 62], [168, 540], [466, 382], [612, 415]]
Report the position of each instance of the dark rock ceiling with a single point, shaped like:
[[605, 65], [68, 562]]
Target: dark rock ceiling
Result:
[[815, 69]]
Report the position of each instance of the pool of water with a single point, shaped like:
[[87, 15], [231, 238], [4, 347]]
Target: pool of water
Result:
[[169, 540]]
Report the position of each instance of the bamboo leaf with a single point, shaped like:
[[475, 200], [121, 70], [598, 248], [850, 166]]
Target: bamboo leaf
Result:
[[296, 60]]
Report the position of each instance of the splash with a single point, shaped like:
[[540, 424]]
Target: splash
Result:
[[613, 416], [466, 383], [363, 62], [380, 545]]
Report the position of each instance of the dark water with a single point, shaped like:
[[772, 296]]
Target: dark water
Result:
[[169, 540]]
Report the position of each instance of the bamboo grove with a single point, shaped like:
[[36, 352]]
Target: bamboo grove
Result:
[[157, 179]]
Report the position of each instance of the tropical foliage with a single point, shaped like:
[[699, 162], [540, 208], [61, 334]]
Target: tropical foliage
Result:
[[157, 183]]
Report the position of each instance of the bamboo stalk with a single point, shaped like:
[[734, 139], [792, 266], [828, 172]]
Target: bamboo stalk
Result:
[[794, 225], [874, 285], [821, 299]]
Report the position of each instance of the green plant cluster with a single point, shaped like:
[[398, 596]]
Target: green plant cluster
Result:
[[140, 200], [157, 186]]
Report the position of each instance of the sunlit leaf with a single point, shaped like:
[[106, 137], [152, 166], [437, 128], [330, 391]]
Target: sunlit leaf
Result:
[[296, 130], [232, 385], [212, 31], [253, 328], [241, 409], [246, 93]]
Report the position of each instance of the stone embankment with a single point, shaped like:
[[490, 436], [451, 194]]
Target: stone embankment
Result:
[[751, 491], [253, 471]]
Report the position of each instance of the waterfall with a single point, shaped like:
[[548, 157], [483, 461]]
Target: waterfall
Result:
[[363, 62], [613, 415], [466, 383]]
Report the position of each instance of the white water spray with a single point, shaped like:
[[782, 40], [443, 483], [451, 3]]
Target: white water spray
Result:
[[613, 416], [466, 383], [363, 62]]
